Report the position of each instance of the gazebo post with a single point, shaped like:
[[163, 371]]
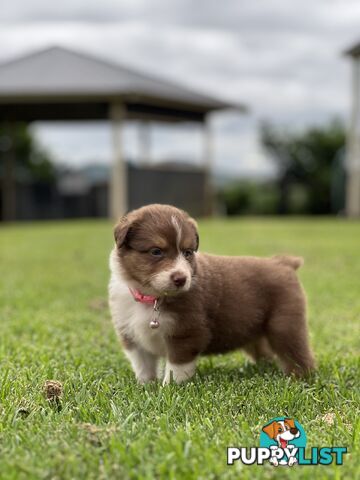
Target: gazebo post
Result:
[[144, 141], [208, 165], [353, 154], [118, 178]]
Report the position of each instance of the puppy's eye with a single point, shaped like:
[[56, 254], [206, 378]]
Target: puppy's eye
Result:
[[188, 253], [156, 252]]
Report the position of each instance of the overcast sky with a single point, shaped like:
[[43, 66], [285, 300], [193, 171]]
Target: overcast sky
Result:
[[280, 57]]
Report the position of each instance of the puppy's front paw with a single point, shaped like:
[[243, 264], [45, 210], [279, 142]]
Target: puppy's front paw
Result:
[[145, 378], [178, 372]]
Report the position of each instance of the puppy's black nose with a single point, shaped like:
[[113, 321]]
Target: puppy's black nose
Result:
[[294, 430], [179, 279]]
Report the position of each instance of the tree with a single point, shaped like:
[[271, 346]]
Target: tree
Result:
[[20, 154], [29, 155], [305, 159]]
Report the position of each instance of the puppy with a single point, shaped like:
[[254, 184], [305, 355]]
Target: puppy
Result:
[[168, 300]]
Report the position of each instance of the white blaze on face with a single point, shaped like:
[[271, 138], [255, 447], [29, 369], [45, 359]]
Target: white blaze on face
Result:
[[162, 281], [177, 227]]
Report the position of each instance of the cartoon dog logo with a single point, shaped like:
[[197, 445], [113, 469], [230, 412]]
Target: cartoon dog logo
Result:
[[282, 432]]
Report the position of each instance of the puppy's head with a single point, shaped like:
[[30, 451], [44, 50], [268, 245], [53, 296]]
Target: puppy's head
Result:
[[156, 248]]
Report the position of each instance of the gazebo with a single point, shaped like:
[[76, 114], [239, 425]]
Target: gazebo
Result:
[[353, 142], [61, 84]]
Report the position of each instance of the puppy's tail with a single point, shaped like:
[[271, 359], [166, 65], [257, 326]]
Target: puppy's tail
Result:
[[289, 261]]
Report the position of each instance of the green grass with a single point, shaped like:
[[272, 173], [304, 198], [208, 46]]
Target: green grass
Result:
[[54, 324]]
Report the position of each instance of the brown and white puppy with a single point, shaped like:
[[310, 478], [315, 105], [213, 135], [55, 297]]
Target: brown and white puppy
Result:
[[207, 303]]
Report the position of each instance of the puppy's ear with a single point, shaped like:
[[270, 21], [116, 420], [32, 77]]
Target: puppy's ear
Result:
[[290, 422], [195, 228], [121, 230], [270, 430]]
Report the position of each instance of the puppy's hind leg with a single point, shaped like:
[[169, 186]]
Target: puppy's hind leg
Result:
[[288, 336]]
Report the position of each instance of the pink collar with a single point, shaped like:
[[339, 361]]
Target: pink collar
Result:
[[139, 297]]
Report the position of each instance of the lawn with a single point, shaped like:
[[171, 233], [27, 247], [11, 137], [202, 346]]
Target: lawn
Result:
[[55, 324]]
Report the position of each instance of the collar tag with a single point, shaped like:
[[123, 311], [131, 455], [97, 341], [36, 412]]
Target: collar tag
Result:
[[154, 323]]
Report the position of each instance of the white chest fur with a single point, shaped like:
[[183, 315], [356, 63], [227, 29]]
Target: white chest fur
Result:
[[132, 319]]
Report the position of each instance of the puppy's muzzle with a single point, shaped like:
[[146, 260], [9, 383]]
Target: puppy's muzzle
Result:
[[178, 279]]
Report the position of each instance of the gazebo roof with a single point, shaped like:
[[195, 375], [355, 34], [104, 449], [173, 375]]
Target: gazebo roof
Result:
[[58, 83]]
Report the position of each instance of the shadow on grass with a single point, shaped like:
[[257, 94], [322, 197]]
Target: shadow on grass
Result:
[[242, 371], [262, 370]]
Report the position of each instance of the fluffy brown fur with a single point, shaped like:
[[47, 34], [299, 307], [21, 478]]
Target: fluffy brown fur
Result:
[[252, 303]]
